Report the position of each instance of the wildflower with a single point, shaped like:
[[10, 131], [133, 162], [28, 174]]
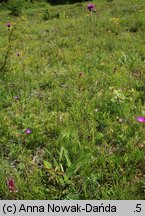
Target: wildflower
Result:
[[16, 97], [91, 7], [140, 119], [11, 185], [120, 120], [81, 74], [141, 146], [115, 20], [23, 18], [28, 131], [8, 25], [61, 117], [18, 54]]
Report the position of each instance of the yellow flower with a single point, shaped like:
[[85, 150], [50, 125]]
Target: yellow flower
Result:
[[114, 19], [24, 18], [13, 23]]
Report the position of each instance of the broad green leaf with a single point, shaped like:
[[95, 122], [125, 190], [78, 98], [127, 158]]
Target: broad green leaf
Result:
[[47, 165]]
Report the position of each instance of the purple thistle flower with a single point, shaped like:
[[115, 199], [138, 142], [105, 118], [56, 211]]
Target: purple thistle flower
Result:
[[28, 131], [140, 119], [11, 185], [91, 7], [8, 25]]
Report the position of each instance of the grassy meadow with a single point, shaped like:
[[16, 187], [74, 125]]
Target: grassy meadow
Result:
[[72, 84]]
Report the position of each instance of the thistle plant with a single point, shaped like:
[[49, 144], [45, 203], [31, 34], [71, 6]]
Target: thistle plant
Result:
[[3, 68], [92, 9]]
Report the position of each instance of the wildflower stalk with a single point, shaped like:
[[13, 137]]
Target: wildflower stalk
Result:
[[93, 16], [92, 24], [92, 10], [7, 54], [23, 73]]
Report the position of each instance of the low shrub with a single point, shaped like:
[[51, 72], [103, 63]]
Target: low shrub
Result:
[[15, 6]]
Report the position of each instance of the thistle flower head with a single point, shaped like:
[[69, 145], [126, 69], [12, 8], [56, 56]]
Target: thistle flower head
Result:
[[11, 185], [28, 131], [91, 7], [140, 119], [8, 25]]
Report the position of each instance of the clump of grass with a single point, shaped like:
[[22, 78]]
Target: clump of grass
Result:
[[49, 15]]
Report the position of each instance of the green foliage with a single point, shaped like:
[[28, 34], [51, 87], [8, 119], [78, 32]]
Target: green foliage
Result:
[[48, 15], [16, 6], [65, 1]]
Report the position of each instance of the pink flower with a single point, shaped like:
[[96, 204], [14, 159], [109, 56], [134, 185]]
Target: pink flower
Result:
[[16, 97], [28, 131], [140, 119], [11, 185]]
